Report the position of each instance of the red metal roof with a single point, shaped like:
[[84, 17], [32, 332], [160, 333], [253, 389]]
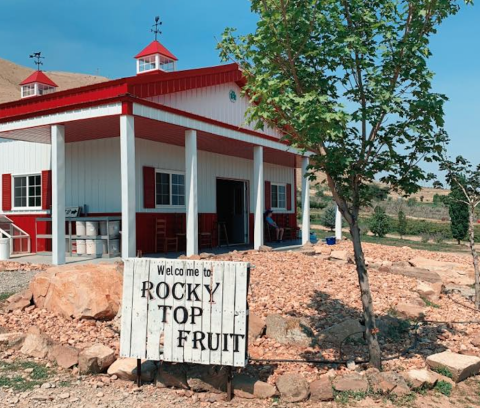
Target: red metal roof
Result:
[[155, 48], [39, 76]]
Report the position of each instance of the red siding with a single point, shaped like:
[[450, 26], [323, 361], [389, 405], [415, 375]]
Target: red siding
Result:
[[148, 187], [289, 197], [6, 192], [27, 223], [46, 189], [268, 195]]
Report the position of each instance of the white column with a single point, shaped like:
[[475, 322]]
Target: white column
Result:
[[258, 195], [305, 203], [127, 164], [338, 224], [58, 194], [191, 191]]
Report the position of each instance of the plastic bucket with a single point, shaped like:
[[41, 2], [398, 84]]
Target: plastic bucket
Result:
[[92, 228], [331, 240], [94, 247], [80, 227], [114, 246], [81, 247], [4, 249]]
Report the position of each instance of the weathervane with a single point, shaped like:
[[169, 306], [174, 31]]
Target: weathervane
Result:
[[156, 29], [37, 56]]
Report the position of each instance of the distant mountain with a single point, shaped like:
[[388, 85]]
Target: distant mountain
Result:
[[12, 74]]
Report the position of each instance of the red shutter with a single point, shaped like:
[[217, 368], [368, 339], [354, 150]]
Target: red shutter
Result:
[[268, 196], [149, 187], [46, 189], [289, 197], [6, 192]]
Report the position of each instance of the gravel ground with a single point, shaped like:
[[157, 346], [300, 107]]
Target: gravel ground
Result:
[[15, 281]]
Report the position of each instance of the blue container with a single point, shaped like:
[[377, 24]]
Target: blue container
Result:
[[331, 240], [313, 238]]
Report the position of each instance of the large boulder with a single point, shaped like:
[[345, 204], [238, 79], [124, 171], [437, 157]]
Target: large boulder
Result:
[[351, 383], [460, 366], [450, 272], [249, 387], [95, 359], [289, 330], [410, 271], [422, 378], [126, 369], [64, 356], [429, 291], [36, 344], [321, 390], [80, 291]]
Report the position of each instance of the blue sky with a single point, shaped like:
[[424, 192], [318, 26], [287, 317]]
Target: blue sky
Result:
[[102, 36]]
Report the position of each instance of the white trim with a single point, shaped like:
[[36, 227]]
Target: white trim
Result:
[[305, 203], [78, 114], [271, 196], [191, 191], [58, 195], [167, 206], [27, 207], [259, 196], [179, 120]]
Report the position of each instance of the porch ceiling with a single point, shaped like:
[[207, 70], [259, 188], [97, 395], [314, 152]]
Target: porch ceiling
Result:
[[109, 126]]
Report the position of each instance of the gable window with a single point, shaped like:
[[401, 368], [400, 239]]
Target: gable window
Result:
[[27, 191], [279, 196], [169, 188], [28, 90]]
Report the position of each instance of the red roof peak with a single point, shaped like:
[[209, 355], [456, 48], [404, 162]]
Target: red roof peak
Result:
[[40, 77], [155, 48]]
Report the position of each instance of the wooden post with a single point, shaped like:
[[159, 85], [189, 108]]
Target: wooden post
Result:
[[229, 383], [139, 372]]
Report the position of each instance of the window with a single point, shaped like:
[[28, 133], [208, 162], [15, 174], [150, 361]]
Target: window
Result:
[[45, 89], [27, 191], [28, 90], [146, 63], [169, 189], [279, 196]]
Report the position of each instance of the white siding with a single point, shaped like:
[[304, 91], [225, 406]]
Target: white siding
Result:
[[213, 102], [23, 158], [93, 171]]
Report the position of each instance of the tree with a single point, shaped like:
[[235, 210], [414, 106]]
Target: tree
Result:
[[467, 178], [380, 223], [458, 211], [348, 81], [328, 217], [402, 224]]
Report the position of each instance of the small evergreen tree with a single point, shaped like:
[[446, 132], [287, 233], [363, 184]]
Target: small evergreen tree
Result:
[[402, 223], [328, 217], [458, 211], [380, 223]]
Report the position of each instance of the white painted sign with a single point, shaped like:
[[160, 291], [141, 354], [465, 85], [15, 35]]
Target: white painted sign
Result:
[[195, 311]]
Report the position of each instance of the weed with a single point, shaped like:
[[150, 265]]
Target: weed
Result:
[[10, 377], [392, 311], [430, 303], [397, 330], [402, 401], [343, 397], [5, 296], [443, 387], [443, 371], [64, 384]]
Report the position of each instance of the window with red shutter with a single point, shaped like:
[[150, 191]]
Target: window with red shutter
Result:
[[149, 187], [6, 192]]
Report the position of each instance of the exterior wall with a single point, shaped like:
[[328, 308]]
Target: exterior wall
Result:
[[214, 103], [93, 179]]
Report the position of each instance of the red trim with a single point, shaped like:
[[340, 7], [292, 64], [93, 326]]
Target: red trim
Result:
[[40, 77], [127, 108], [268, 195], [149, 187], [289, 197], [6, 192], [46, 189]]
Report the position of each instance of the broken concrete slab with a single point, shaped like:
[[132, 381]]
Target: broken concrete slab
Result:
[[460, 366]]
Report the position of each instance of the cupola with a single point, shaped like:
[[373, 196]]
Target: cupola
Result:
[[37, 83], [155, 57]]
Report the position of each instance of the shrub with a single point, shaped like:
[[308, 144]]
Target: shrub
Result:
[[402, 223], [425, 237], [327, 219], [412, 202], [438, 238], [380, 222]]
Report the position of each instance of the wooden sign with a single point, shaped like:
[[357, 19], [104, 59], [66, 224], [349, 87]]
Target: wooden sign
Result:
[[185, 311]]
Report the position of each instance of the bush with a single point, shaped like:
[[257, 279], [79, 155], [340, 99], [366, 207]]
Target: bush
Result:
[[425, 237], [402, 223], [412, 202], [380, 222], [438, 238], [327, 219], [318, 204]]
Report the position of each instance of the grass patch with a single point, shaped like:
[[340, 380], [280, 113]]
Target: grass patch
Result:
[[430, 303], [397, 331], [443, 371], [443, 387], [12, 375], [5, 296], [402, 401], [345, 396]]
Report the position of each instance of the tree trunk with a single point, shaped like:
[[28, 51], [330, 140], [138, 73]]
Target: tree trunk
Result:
[[366, 295], [471, 230]]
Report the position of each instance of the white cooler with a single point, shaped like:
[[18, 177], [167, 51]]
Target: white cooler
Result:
[[4, 249], [94, 247]]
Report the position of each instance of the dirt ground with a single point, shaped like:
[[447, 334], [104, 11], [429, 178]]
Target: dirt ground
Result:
[[324, 292]]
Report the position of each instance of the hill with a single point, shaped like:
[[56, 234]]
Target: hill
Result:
[[12, 74]]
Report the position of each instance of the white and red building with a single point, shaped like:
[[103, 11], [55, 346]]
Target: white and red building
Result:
[[162, 144]]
